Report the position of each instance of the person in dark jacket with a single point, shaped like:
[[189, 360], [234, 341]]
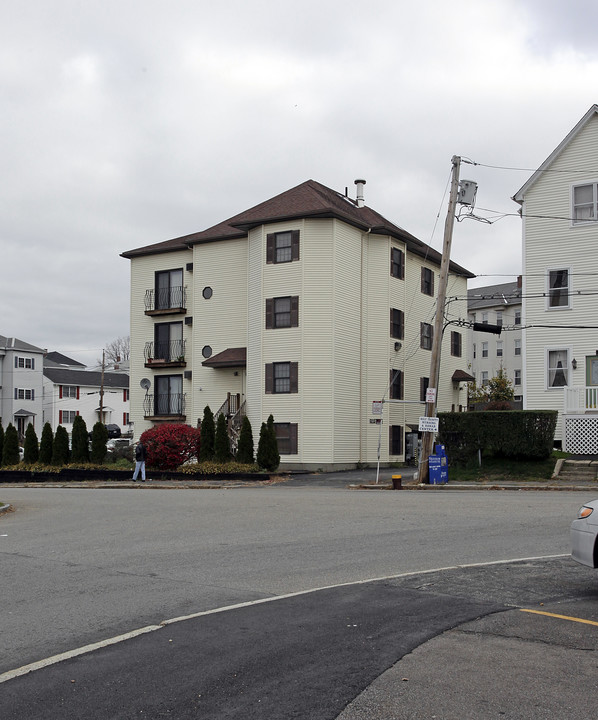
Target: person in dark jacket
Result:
[[140, 456]]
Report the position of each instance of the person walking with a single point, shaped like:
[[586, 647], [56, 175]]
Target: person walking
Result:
[[140, 457]]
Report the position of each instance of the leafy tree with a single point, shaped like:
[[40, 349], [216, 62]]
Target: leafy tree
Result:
[[500, 387], [1, 442], [268, 457], [46, 444], [221, 441], [80, 441], [99, 438], [10, 448], [60, 446], [170, 445], [31, 447], [245, 446], [208, 432]]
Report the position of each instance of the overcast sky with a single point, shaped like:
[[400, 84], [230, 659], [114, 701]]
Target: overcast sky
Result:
[[128, 122]]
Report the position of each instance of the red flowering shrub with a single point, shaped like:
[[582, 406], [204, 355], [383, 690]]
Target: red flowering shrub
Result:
[[169, 446]]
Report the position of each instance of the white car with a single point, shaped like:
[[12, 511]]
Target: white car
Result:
[[584, 535]]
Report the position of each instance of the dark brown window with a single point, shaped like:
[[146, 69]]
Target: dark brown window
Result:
[[427, 286], [456, 344], [286, 436], [397, 263], [282, 377], [423, 387], [282, 312], [397, 324], [396, 384], [395, 440], [282, 247], [426, 334]]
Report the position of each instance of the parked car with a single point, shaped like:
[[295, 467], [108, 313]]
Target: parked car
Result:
[[113, 431], [117, 444], [584, 535]]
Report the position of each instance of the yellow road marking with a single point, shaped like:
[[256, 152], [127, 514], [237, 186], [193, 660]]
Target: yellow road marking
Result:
[[561, 617]]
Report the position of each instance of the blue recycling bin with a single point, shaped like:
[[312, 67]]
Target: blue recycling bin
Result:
[[438, 468]]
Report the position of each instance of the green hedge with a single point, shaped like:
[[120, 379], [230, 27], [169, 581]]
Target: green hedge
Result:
[[525, 434]]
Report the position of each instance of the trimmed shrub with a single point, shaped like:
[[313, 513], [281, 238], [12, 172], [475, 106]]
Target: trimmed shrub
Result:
[[170, 445], [99, 438], [31, 447], [222, 452], [267, 448], [522, 434], [79, 441], [46, 444], [10, 448], [245, 446], [208, 432], [60, 447], [1, 442]]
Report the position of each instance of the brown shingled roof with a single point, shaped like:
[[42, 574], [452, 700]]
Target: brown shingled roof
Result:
[[310, 199], [231, 357]]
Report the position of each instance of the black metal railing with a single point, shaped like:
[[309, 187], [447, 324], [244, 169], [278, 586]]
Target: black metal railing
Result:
[[174, 298], [164, 404], [170, 351]]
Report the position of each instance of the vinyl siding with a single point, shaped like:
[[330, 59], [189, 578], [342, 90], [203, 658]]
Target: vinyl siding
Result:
[[220, 321], [143, 271], [553, 244]]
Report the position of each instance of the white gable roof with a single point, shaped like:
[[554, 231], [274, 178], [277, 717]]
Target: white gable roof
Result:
[[518, 197]]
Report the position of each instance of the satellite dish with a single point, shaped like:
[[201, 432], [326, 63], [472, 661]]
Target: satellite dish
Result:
[[145, 384]]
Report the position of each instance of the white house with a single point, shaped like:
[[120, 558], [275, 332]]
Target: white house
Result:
[[559, 206], [309, 307], [20, 385], [71, 390], [500, 306]]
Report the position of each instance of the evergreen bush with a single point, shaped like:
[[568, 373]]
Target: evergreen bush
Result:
[[10, 447], [79, 441], [267, 448], [31, 447], [60, 446], [208, 432], [245, 446], [99, 438], [1, 442], [46, 444], [221, 441]]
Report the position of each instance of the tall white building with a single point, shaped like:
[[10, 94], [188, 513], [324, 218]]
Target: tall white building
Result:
[[498, 306], [309, 306], [559, 206]]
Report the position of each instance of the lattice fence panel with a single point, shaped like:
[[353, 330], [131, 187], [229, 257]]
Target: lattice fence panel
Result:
[[581, 435]]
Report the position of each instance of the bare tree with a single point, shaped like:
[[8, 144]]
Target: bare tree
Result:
[[118, 350]]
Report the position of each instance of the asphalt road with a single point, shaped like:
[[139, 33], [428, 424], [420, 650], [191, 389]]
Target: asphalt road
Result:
[[80, 566]]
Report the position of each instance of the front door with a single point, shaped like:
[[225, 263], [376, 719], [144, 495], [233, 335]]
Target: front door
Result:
[[592, 370]]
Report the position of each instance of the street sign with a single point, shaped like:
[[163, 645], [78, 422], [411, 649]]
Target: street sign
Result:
[[431, 395], [428, 424], [377, 407]]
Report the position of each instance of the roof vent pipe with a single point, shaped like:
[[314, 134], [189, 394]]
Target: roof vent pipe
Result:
[[360, 200]]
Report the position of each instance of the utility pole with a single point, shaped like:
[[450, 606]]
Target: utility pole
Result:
[[428, 439], [102, 387]]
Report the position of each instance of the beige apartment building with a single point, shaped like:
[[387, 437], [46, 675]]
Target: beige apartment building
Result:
[[310, 306]]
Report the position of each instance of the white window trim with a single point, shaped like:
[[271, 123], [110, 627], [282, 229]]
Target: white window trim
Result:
[[549, 308], [583, 223], [560, 348]]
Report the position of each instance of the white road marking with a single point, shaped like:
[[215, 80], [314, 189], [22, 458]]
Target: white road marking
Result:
[[10, 674]]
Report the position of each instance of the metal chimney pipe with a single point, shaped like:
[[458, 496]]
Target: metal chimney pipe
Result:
[[360, 200]]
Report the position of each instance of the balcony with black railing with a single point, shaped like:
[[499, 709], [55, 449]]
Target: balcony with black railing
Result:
[[166, 301], [164, 406], [165, 354]]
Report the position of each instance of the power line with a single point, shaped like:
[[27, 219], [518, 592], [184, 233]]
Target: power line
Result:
[[468, 161]]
